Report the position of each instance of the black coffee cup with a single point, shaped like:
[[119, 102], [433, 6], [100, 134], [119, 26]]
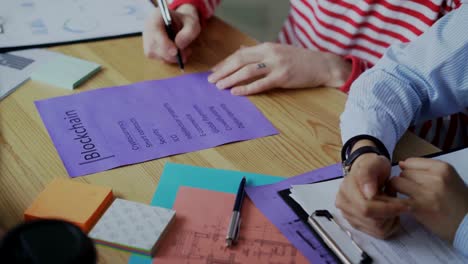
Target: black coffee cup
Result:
[[47, 242]]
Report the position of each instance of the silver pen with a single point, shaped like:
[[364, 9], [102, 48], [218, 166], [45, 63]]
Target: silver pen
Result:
[[234, 225], [166, 15]]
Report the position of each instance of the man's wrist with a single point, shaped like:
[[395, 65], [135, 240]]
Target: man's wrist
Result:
[[363, 139], [362, 143]]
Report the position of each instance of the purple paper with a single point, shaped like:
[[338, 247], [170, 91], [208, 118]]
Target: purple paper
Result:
[[107, 128], [267, 199]]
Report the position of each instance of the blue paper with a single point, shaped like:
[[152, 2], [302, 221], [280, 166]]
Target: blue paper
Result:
[[176, 175]]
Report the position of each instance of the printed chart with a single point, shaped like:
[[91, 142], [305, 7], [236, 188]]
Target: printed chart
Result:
[[33, 22]]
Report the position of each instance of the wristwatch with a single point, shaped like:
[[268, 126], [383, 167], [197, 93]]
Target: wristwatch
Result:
[[348, 158]]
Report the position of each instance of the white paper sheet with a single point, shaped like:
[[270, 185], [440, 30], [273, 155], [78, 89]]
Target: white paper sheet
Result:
[[413, 244], [34, 22]]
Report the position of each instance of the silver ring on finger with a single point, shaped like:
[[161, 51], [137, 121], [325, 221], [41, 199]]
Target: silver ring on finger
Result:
[[261, 66]]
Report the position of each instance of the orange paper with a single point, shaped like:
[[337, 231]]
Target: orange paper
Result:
[[199, 232], [79, 203]]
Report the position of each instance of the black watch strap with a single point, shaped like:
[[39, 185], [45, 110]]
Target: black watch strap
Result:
[[348, 158], [357, 153], [348, 145]]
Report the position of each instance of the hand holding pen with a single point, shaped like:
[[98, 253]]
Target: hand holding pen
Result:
[[184, 23]]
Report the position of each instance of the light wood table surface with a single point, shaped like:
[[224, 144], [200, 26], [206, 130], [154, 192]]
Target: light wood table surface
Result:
[[308, 121]]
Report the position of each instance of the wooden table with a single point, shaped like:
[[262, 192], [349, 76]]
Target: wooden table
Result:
[[308, 120]]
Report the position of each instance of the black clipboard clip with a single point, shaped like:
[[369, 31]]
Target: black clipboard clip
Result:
[[338, 240]]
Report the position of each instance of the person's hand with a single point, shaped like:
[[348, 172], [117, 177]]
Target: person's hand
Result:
[[156, 43], [361, 199], [255, 69], [438, 197]]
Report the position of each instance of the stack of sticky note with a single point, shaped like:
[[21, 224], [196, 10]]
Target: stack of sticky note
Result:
[[118, 223], [132, 226], [79, 203], [65, 71]]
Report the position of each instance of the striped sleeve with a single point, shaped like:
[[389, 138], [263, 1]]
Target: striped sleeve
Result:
[[453, 4], [206, 8], [358, 66], [461, 237], [417, 81]]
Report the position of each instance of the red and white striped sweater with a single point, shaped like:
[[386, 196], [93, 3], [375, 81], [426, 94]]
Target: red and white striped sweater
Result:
[[360, 30]]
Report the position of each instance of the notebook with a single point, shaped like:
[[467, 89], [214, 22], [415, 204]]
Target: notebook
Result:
[[132, 226]]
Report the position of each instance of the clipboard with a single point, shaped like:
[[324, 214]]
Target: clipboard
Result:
[[337, 239], [338, 242], [456, 157]]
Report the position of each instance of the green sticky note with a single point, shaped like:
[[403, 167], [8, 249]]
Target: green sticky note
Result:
[[65, 71], [176, 175]]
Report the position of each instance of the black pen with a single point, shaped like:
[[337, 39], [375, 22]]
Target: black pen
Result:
[[234, 224], [169, 30]]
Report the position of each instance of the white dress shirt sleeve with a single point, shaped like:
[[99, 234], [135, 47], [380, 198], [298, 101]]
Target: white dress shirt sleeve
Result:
[[416, 81]]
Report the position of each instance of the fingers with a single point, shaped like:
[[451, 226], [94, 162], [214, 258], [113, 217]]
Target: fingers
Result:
[[245, 73], [377, 216], [257, 86], [417, 176], [371, 172], [188, 33], [406, 186], [379, 228], [185, 55], [352, 202], [390, 191], [367, 225], [234, 62], [156, 43], [426, 172], [417, 164], [381, 209]]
